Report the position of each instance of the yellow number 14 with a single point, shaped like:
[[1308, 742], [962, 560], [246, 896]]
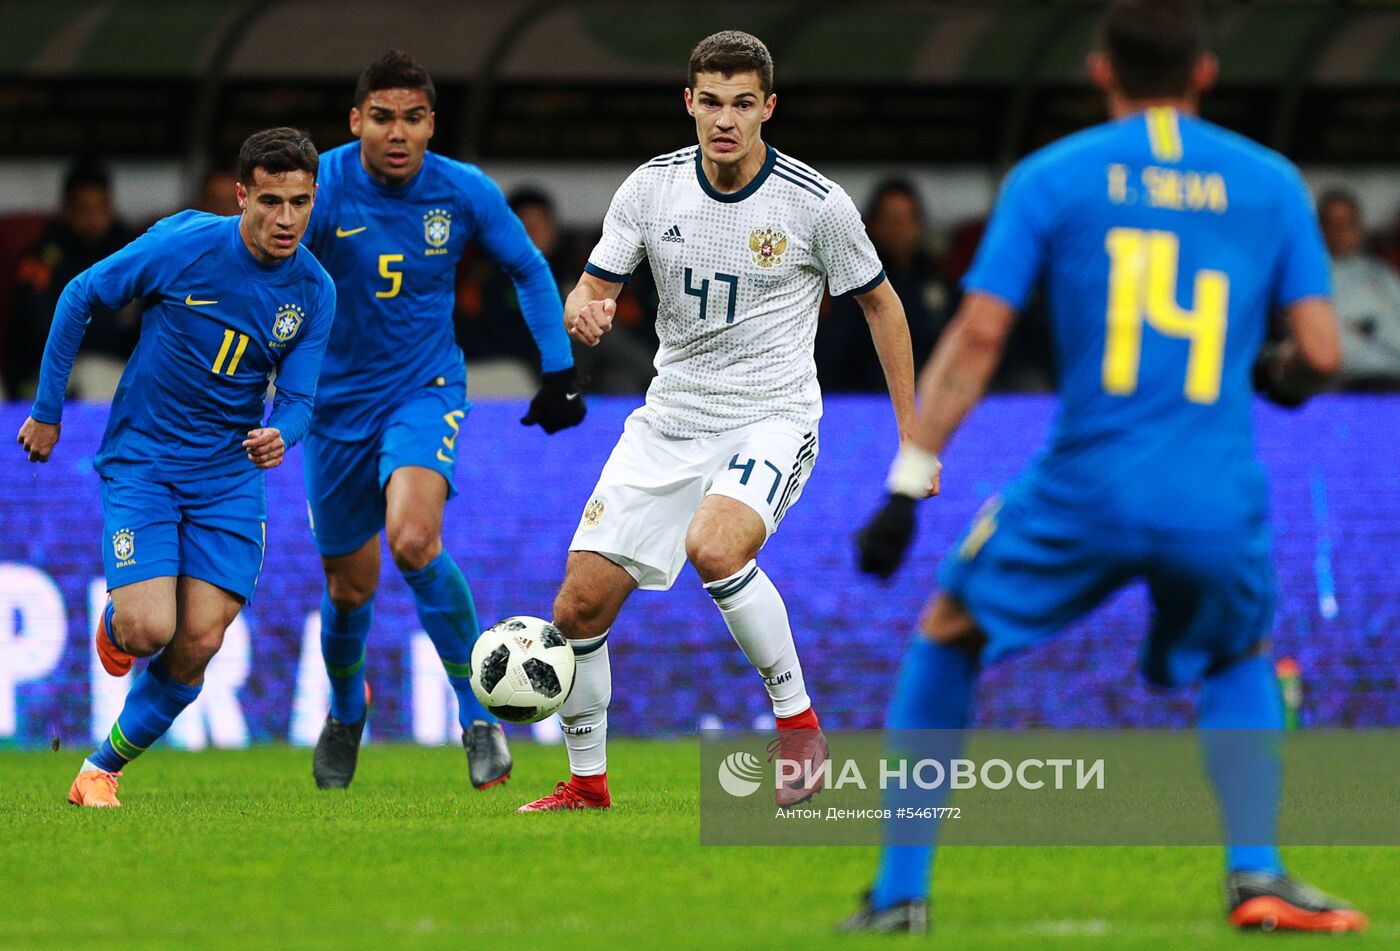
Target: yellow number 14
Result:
[[1142, 289]]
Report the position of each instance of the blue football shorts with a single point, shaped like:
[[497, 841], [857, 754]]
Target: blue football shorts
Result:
[[345, 480], [1025, 570], [211, 529]]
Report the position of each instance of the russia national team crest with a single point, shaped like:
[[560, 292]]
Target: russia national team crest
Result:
[[124, 546], [768, 247], [593, 513], [287, 322], [437, 227]]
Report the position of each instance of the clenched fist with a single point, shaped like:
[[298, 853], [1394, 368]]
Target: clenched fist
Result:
[[264, 447], [38, 439], [592, 321]]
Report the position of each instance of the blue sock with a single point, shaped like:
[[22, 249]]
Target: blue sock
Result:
[[343, 638], [934, 691], [154, 702], [1245, 767], [448, 613]]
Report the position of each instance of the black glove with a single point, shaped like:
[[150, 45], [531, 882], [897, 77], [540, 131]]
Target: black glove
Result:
[[559, 403], [1267, 383], [881, 544]]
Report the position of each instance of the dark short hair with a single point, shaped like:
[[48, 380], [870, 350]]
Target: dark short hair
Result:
[[394, 70], [893, 186], [85, 173], [1153, 45], [530, 197], [730, 52], [276, 151], [1339, 196]]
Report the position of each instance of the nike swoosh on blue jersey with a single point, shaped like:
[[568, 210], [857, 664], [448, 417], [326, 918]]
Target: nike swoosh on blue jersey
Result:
[[189, 299], [344, 233]]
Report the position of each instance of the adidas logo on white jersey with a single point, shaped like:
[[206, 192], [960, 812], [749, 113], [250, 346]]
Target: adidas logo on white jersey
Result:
[[673, 233]]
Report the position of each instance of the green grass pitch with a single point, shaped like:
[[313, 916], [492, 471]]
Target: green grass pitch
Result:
[[226, 849]]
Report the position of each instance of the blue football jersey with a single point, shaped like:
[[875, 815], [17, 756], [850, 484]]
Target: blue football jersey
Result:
[[393, 252], [217, 324], [1162, 244]]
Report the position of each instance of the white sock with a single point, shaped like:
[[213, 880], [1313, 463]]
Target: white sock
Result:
[[89, 764], [758, 620], [585, 714]]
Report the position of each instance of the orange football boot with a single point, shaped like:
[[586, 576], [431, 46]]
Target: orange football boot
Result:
[[1265, 901], [115, 661], [95, 788]]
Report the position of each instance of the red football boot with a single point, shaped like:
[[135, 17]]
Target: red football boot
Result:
[[580, 792], [801, 741]]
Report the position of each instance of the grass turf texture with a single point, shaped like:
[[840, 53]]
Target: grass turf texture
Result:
[[238, 849]]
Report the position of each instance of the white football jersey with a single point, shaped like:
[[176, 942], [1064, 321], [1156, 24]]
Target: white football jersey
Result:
[[740, 281]]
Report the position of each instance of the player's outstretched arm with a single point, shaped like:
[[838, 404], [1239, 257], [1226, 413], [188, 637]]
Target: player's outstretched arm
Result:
[[112, 282], [1291, 370], [589, 309], [889, 330]]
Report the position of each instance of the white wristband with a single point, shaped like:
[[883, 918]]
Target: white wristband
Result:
[[913, 472]]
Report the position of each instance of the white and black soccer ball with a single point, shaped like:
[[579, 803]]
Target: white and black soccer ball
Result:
[[522, 669]]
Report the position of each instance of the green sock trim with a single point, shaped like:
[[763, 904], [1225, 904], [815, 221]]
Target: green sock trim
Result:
[[350, 671], [457, 670], [124, 748]]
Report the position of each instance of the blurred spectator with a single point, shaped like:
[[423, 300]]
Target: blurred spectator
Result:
[[1366, 292], [1027, 366], [502, 356], [845, 355], [216, 193], [83, 232]]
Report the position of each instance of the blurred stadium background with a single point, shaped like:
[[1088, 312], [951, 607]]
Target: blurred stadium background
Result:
[[558, 100]]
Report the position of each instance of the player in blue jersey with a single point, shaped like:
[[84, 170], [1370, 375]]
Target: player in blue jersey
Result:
[[1162, 242], [392, 220], [229, 301]]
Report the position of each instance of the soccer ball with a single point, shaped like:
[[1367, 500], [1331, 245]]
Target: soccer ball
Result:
[[522, 669]]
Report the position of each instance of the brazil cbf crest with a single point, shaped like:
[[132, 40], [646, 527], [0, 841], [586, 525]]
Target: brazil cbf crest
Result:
[[767, 247], [287, 322], [437, 227], [124, 546]]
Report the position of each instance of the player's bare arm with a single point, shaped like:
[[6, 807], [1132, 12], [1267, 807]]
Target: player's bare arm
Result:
[[950, 385], [889, 330], [265, 447], [38, 439], [957, 375], [1293, 369], [589, 309]]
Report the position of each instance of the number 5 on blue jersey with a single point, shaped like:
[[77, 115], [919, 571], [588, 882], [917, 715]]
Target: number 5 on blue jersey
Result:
[[395, 278]]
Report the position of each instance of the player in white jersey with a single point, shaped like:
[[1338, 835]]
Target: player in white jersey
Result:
[[741, 240]]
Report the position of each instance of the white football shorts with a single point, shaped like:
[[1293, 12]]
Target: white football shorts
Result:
[[653, 484]]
